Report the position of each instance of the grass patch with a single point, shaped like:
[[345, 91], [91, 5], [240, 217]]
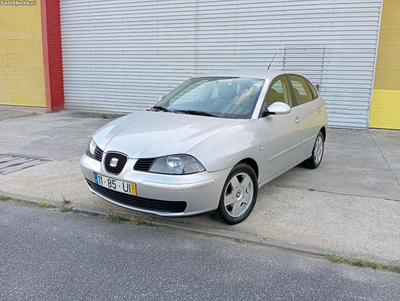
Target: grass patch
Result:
[[104, 116], [65, 201], [311, 189], [4, 198], [363, 263], [241, 241], [42, 204], [138, 221], [64, 208], [116, 217], [16, 199]]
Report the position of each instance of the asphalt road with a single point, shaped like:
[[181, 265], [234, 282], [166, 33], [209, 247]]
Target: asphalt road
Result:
[[49, 255]]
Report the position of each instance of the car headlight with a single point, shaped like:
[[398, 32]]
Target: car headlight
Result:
[[91, 148], [177, 165]]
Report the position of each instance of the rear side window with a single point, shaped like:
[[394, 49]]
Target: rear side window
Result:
[[313, 90], [301, 90]]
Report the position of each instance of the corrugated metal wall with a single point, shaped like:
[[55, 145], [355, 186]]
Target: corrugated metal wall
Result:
[[121, 56]]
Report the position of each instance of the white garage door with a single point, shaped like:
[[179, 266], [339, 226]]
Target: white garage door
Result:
[[120, 56]]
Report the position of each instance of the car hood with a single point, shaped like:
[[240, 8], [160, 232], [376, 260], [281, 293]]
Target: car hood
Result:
[[153, 134]]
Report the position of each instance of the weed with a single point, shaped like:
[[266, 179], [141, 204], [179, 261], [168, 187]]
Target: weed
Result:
[[363, 263], [104, 116], [241, 241], [357, 262], [396, 269], [4, 198], [139, 221], [64, 208], [65, 201], [311, 189], [116, 217], [44, 205], [335, 258]]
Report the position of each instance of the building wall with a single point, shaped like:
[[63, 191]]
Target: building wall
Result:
[[21, 56], [385, 105], [121, 58]]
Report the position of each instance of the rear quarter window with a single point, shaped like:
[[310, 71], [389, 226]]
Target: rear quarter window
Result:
[[313, 90], [301, 90]]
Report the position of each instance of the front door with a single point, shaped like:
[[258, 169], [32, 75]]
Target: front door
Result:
[[282, 133]]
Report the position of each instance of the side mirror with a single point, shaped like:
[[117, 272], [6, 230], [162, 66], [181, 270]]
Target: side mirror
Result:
[[317, 86], [277, 108]]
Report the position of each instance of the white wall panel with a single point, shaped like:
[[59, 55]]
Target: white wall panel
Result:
[[121, 56]]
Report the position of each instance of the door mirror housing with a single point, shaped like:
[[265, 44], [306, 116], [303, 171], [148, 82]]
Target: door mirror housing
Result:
[[277, 108]]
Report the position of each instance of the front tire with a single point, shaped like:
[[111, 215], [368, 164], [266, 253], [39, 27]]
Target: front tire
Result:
[[239, 195], [318, 152]]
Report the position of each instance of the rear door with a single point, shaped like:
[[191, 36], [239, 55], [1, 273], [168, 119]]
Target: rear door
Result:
[[306, 99], [282, 133]]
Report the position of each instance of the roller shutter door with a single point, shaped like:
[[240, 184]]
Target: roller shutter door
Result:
[[121, 56]]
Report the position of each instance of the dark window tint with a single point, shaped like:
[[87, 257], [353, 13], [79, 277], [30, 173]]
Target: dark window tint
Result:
[[301, 90], [279, 91]]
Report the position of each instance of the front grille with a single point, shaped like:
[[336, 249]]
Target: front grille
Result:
[[120, 163], [144, 164], [98, 153], [138, 202]]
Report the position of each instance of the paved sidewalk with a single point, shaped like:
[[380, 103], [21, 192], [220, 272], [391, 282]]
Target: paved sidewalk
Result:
[[12, 112], [350, 205]]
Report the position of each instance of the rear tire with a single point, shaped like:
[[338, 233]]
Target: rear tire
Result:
[[318, 152], [239, 195]]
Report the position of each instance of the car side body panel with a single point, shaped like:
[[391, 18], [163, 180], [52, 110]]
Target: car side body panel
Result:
[[313, 118], [230, 146]]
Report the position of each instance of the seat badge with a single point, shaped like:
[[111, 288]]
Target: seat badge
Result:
[[114, 162]]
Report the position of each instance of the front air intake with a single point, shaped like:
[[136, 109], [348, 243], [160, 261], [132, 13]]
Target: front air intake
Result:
[[144, 164]]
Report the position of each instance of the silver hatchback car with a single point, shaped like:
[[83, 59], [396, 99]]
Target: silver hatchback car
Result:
[[208, 145]]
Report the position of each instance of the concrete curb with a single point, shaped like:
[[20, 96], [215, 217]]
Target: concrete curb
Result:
[[250, 238]]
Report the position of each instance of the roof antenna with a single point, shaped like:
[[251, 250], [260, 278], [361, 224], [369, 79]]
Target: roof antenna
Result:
[[272, 60]]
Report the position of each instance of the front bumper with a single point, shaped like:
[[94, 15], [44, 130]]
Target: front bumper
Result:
[[201, 192]]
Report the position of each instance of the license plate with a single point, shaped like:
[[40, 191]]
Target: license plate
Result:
[[117, 185]]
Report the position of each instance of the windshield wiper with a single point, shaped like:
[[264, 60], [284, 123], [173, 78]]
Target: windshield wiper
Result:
[[192, 112], [160, 108]]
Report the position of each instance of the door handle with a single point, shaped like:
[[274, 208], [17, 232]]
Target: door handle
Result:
[[319, 110], [297, 120]]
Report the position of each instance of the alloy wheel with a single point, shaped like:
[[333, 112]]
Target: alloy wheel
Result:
[[238, 194]]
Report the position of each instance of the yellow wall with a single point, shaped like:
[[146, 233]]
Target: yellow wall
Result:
[[385, 105], [21, 56]]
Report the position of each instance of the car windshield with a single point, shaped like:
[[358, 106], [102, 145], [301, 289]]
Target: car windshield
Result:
[[226, 97]]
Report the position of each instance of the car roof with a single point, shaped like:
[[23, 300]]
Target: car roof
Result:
[[249, 73]]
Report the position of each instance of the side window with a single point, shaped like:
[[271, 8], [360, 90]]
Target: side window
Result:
[[313, 90], [301, 91], [279, 91]]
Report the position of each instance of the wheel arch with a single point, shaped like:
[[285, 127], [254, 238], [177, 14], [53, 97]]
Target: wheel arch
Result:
[[252, 163], [323, 131]]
